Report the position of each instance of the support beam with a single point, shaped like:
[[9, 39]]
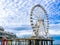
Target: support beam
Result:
[[29, 42], [51, 42], [36, 42], [41, 42], [46, 42]]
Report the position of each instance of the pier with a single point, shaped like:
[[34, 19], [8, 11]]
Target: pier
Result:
[[27, 41], [34, 41]]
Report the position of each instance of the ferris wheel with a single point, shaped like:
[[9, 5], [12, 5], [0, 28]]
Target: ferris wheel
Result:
[[39, 21]]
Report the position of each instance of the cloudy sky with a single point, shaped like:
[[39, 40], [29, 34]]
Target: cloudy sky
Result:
[[15, 16]]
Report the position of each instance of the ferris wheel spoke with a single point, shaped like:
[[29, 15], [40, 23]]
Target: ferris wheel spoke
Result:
[[36, 15]]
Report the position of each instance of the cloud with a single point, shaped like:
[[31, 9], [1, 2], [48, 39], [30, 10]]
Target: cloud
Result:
[[25, 30], [16, 11], [21, 33], [30, 32], [54, 32], [21, 27], [11, 16], [54, 29], [54, 26]]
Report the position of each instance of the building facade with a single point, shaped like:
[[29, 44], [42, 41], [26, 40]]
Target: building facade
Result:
[[6, 35]]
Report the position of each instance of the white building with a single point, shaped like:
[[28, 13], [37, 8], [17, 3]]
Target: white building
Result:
[[7, 35]]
